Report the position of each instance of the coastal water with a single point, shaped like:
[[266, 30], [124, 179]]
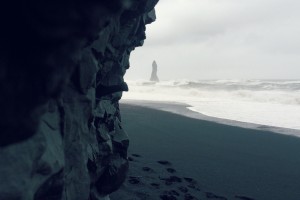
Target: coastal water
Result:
[[265, 102]]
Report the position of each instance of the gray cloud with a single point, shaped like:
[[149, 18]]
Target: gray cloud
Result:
[[222, 39]]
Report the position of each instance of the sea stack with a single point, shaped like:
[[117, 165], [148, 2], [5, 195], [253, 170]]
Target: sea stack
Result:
[[154, 72]]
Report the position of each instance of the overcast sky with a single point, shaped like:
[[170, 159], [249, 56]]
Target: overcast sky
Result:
[[221, 39]]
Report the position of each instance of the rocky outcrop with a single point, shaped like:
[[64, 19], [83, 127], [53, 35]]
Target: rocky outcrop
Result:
[[61, 76], [154, 76]]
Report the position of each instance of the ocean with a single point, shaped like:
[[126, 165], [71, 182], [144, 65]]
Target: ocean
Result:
[[265, 102]]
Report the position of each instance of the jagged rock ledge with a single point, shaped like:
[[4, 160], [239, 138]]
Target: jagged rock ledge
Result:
[[61, 76]]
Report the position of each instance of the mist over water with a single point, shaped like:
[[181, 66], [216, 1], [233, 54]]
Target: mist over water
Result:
[[266, 102]]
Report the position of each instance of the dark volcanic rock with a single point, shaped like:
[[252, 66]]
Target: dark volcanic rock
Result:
[[113, 176], [61, 76], [51, 189]]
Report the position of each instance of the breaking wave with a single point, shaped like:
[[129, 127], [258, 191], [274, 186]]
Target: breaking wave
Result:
[[266, 102]]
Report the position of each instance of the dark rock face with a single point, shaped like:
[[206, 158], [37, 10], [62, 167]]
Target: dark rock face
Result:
[[154, 76], [61, 76]]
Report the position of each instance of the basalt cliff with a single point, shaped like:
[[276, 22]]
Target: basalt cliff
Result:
[[61, 76]]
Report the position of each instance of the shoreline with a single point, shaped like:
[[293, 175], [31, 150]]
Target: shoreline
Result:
[[184, 110]]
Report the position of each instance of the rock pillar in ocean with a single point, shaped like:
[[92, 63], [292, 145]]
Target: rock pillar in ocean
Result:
[[154, 76], [61, 132]]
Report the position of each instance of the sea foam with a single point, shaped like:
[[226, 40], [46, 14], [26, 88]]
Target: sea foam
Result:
[[265, 102]]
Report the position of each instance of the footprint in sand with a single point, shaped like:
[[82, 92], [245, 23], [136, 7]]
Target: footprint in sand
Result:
[[130, 159], [189, 197], [171, 170], [134, 180], [155, 185], [147, 169], [170, 180], [190, 180], [192, 183], [136, 155], [183, 189], [192, 186], [167, 197], [243, 197], [164, 162], [172, 192], [211, 195]]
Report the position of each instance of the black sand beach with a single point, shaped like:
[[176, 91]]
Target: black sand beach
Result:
[[224, 162]]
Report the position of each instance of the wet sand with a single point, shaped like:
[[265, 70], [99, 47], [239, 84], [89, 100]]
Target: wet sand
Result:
[[206, 160]]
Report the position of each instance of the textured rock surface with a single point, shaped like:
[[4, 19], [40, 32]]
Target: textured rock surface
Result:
[[61, 76], [154, 76]]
